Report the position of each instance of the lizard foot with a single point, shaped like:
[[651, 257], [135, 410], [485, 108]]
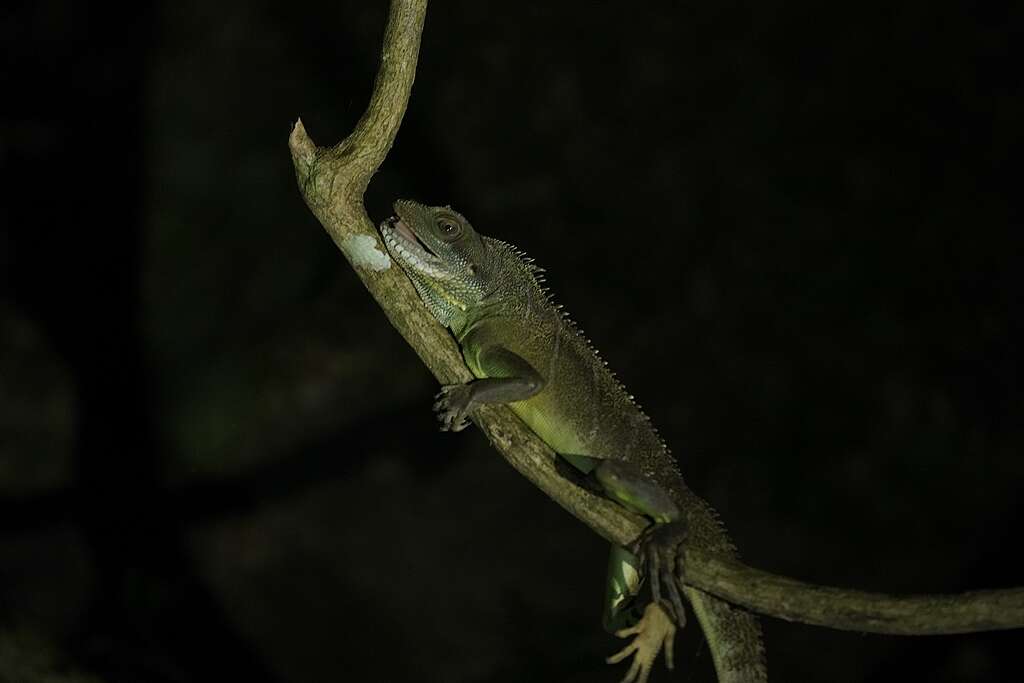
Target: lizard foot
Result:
[[659, 551], [654, 631], [452, 407]]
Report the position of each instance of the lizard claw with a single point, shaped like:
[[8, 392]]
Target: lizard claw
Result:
[[659, 551], [452, 407], [654, 631]]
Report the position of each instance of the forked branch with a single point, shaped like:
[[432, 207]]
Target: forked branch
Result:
[[333, 180]]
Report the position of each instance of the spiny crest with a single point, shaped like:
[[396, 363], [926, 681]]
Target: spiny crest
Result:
[[538, 274], [571, 324], [525, 258]]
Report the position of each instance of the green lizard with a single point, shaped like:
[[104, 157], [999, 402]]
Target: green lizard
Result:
[[527, 354]]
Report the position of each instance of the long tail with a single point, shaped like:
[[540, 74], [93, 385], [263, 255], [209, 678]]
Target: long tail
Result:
[[734, 638]]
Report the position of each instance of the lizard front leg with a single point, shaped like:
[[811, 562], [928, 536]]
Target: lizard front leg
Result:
[[509, 378]]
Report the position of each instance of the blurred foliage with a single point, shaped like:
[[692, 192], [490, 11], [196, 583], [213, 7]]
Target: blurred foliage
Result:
[[26, 657], [37, 410]]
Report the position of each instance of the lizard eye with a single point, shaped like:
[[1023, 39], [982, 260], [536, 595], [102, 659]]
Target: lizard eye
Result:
[[449, 229]]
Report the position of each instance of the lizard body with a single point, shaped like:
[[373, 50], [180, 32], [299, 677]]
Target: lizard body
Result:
[[527, 354]]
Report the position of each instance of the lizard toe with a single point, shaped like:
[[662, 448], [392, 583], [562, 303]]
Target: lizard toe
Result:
[[659, 549], [653, 632]]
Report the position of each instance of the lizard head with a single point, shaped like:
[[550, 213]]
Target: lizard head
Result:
[[445, 258]]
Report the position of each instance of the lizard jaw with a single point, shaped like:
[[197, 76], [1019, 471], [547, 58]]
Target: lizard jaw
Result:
[[403, 229], [403, 244]]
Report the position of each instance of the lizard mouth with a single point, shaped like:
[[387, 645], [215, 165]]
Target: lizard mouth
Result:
[[405, 246], [404, 230]]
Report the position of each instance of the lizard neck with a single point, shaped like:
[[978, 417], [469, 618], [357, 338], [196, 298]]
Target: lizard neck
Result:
[[459, 324]]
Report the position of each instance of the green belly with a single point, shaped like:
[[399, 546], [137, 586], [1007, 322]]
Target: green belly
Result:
[[542, 415]]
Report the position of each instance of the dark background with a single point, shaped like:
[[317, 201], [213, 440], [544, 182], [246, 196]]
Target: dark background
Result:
[[790, 228]]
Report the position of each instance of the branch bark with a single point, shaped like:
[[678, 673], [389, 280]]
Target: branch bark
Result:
[[852, 610], [333, 180]]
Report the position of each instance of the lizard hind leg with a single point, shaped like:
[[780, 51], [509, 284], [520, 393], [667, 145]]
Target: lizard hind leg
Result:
[[660, 556], [622, 585], [651, 631], [658, 547]]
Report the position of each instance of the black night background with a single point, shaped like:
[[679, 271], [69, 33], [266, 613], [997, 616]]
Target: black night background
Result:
[[793, 229]]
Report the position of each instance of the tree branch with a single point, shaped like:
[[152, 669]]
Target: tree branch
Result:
[[851, 610], [333, 180]]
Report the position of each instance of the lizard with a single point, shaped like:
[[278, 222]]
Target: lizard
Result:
[[526, 353]]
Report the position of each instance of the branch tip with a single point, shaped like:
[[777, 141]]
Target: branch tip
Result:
[[302, 147]]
